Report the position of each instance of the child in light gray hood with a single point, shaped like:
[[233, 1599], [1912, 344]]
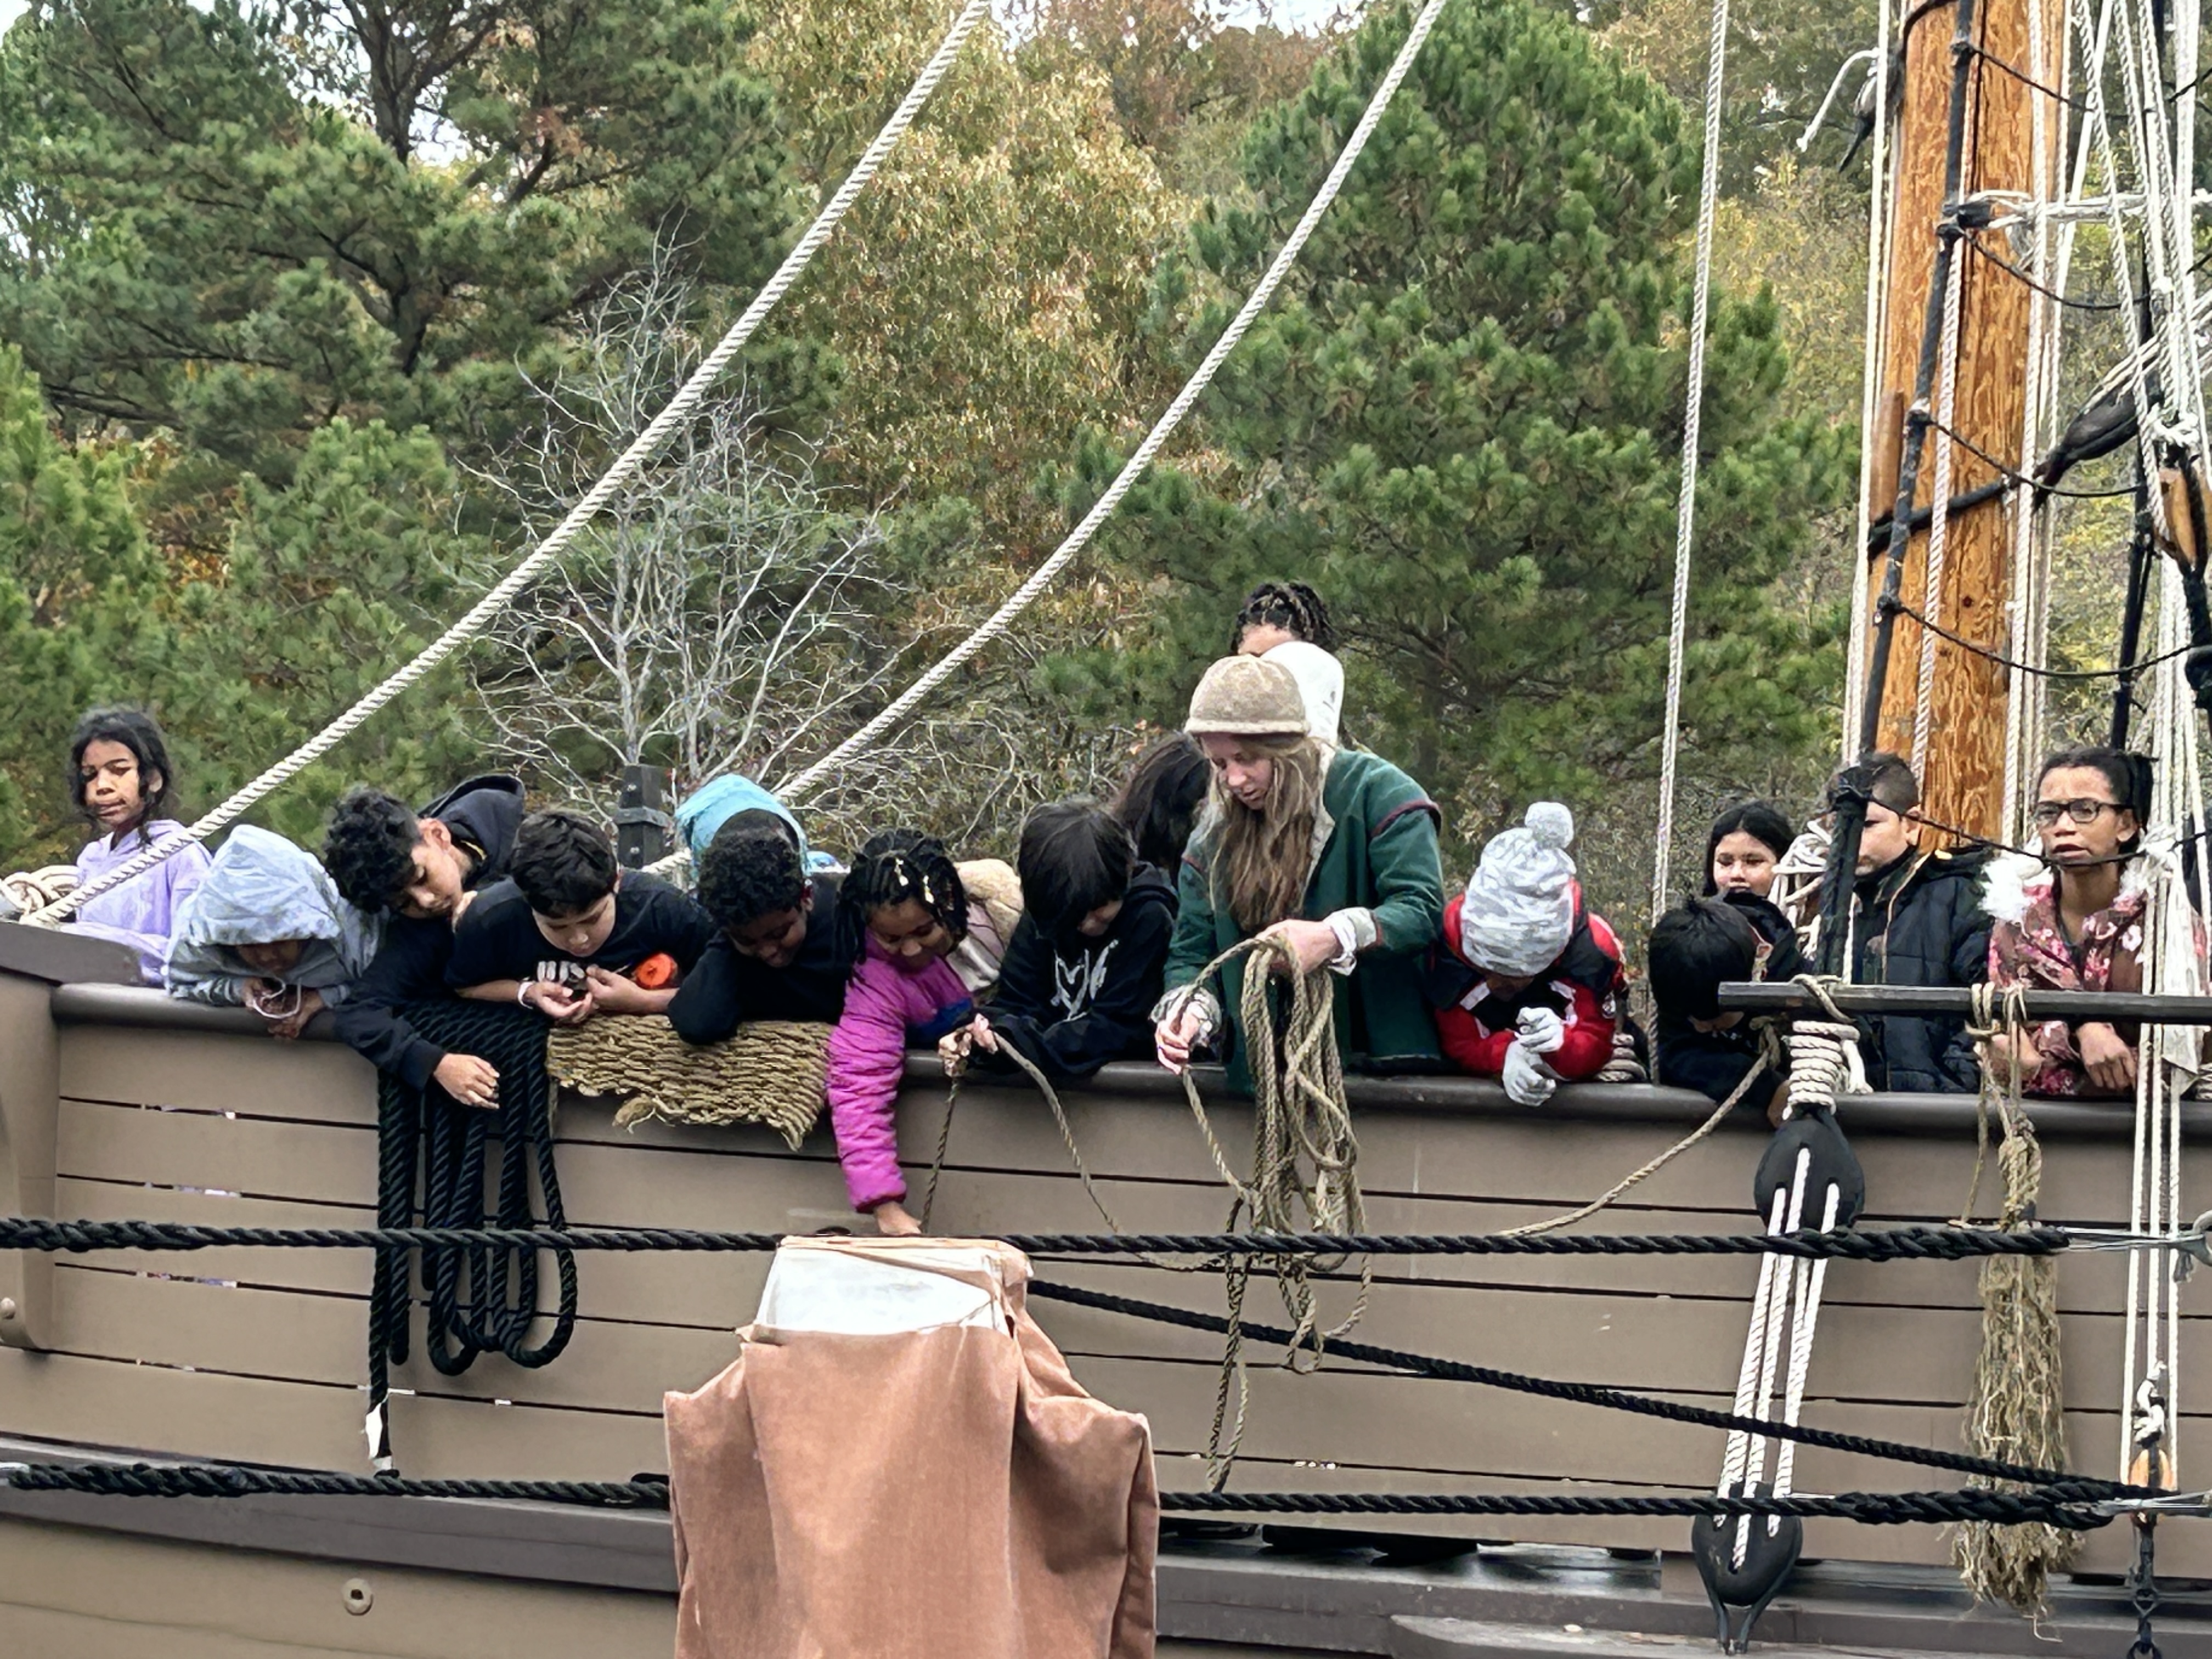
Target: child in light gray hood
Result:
[[267, 931]]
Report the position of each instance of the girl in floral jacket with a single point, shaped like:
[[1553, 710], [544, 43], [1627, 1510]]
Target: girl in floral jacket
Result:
[[2077, 924]]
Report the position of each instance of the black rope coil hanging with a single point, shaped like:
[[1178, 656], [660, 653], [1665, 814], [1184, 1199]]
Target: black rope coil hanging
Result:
[[482, 1295]]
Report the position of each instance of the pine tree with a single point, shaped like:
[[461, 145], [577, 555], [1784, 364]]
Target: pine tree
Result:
[[1461, 422], [238, 222], [79, 603]]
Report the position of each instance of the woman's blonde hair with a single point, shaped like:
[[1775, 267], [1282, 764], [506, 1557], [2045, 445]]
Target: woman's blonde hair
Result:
[[1261, 858]]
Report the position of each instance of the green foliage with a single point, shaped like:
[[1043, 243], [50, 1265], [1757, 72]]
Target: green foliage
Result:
[[240, 224], [331, 583], [982, 298], [77, 590], [1782, 59], [1461, 423]]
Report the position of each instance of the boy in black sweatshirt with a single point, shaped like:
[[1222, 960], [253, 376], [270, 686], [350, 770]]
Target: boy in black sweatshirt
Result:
[[420, 870], [571, 934], [774, 954], [1696, 948], [1086, 961]]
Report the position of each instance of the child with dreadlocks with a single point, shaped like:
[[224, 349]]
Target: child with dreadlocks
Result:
[[901, 913], [1286, 623]]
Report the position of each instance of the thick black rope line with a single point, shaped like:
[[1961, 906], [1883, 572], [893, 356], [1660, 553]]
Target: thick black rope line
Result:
[[218, 1480], [1876, 1508], [2073, 1488], [1882, 1244], [226, 1480]]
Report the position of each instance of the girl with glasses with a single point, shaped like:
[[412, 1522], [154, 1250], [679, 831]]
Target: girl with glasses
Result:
[[2075, 922]]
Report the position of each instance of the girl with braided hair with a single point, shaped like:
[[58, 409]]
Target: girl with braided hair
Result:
[[901, 913], [1286, 624]]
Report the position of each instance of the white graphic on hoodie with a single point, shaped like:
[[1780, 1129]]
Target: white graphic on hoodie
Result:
[[1076, 984]]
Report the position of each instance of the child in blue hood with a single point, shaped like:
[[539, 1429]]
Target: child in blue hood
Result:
[[267, 931]]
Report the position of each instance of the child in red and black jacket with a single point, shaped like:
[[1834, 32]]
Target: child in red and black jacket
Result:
[[1528, 984]]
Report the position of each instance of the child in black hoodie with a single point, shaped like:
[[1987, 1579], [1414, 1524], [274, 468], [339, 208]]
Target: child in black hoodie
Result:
[[775, 955], [1695, 948], [1086, 961], [421, 869]]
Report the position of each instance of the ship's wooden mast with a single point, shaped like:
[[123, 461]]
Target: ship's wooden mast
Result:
[[1964, 771]]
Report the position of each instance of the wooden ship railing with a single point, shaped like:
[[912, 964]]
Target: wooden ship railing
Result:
[[120, 1103]]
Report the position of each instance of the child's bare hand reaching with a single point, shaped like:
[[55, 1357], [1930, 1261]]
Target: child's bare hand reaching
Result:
[[617, 993], [471, 1081], [559, 1003], [264, 996], [953, 1046], [893, 1221]]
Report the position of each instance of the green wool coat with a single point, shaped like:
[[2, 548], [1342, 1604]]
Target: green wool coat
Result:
[[1378, 849]]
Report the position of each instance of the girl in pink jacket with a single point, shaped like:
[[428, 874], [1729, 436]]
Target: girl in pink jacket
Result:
[[900, 913]]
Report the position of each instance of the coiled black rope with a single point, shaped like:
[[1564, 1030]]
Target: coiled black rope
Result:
[[481, 1283], [2073, 1488], [1881, 1245], [223, 1480]]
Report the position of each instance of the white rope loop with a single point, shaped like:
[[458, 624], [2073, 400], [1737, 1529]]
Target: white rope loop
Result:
[[791, 789], [1686, 503], [641, 449]]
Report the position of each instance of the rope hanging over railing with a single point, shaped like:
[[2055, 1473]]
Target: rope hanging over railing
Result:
[[798, 784], [625, 467]]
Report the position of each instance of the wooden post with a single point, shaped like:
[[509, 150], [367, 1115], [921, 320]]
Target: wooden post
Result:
[[1965, 774], [644, 832]]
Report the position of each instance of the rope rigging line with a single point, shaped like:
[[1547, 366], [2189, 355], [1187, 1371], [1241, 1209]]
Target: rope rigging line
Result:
[[1939, 517], [642, 448], [1878, 1244], [2126, 670], [791, 789], [1870, 360], [2026, 79], [1686, 502], [2051, 293], [1592, 1394], [222, 1480], [2020, 480]]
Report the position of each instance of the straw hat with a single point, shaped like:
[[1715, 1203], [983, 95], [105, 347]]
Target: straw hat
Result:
[[1247, 697]]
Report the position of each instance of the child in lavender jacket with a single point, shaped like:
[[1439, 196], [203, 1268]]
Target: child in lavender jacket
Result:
[[120, 776], [901, 913]]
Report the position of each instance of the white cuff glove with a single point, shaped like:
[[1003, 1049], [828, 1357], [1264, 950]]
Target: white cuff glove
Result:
[[1542, 1031], [1355, 932], [1527, 1081]]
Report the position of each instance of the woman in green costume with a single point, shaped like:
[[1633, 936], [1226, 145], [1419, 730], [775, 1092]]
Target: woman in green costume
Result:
[[1332, 851]]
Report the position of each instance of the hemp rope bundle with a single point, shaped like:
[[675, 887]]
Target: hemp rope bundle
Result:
[[770, 1073], [2017, 1411]]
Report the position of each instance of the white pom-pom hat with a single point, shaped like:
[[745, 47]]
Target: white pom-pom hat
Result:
[[1519, 910]]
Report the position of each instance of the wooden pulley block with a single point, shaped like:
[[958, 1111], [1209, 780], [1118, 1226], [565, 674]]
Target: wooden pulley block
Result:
[[2150, 1467], [2179, 541]]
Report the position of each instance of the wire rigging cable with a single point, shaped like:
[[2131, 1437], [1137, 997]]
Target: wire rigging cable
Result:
[[642, 448]]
